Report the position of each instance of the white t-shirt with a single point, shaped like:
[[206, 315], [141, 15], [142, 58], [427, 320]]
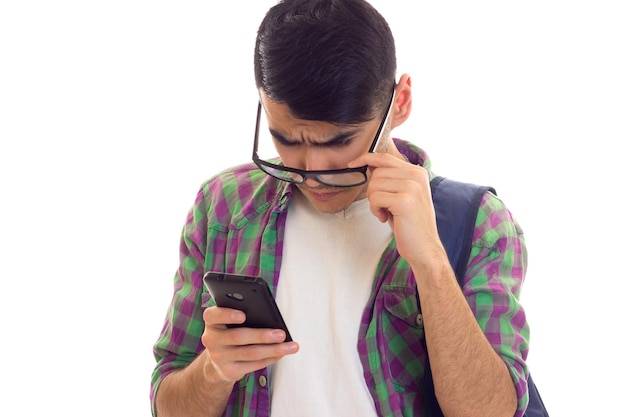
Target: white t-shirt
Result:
[[326, 277]]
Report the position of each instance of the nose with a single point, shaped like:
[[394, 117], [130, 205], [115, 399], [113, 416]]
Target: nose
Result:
[[314, 160], [311, 183]]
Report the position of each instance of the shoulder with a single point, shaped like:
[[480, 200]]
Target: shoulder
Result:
[[494, 222], [235, 195], [493, 219]]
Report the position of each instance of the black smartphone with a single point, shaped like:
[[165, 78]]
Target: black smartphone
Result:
[[249, 294]]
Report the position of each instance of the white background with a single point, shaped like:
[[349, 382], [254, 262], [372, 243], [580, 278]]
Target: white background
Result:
[[112, 113]]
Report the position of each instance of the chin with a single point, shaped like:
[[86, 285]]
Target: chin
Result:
[[333, 200]]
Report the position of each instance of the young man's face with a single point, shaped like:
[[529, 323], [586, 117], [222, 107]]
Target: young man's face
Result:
[[312, 145]]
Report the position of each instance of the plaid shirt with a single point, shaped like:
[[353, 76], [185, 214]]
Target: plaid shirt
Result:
[[237, 225]]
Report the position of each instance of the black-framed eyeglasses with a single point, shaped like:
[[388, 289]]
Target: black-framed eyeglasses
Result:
[[346, 177]]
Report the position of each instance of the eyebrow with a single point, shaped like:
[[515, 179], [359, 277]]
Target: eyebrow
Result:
[[338, 139]]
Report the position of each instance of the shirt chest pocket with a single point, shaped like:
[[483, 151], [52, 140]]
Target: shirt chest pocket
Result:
[[403, 350]]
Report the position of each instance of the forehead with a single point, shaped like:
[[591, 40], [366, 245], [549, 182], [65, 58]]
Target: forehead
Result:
[[280, 116]]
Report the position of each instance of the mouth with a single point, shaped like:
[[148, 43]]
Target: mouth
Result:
[[322, 194]]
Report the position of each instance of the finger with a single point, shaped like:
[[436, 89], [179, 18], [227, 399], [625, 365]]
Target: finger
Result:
[[234, 370], [232, 362], [223, 316], [241, 336], [382, 214], [228, 353], [407, 183], [378, 160], [259, 352], [402, 184], [219, 336]]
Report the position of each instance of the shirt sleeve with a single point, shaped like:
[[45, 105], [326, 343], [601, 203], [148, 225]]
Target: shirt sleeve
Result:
[[493, 284], [180, 339]]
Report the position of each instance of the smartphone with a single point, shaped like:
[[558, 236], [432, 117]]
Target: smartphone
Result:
[[249, 294]]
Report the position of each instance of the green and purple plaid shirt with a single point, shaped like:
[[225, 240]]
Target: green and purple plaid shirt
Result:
[[237, 225]]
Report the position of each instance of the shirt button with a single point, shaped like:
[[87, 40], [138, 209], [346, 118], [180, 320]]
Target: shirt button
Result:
[[262, 381], [419, 320]]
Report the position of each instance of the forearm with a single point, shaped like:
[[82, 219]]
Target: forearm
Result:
[[193, 391], [470, 378]]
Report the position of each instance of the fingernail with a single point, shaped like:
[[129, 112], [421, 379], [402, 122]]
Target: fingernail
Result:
[[278, 335], [291, 347]]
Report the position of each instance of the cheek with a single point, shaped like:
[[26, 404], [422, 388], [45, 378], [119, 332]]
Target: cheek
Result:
[[291, 155]]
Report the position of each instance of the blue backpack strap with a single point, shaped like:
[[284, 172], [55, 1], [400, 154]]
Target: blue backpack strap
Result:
[[456, 206], [536, 407]]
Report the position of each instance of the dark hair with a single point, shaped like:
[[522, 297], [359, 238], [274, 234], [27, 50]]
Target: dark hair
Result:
[[328, 60]]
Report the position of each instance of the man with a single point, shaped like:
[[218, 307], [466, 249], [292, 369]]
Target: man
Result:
[[343, 228]]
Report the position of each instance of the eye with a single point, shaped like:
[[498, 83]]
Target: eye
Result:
[[341, 140], [281, 141]]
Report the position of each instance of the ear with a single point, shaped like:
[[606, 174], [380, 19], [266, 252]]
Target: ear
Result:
[[402, 106]]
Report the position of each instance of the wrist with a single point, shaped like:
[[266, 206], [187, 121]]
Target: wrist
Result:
[[433, 269]]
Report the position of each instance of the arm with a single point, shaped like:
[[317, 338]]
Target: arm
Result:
[[198, 358], [470, 377], [203, 387], [192, 391]]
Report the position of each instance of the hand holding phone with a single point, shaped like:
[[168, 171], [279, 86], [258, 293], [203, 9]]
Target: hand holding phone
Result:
[[249, 294]]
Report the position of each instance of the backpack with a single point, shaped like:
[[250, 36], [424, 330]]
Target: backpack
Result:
[[456, 206]]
